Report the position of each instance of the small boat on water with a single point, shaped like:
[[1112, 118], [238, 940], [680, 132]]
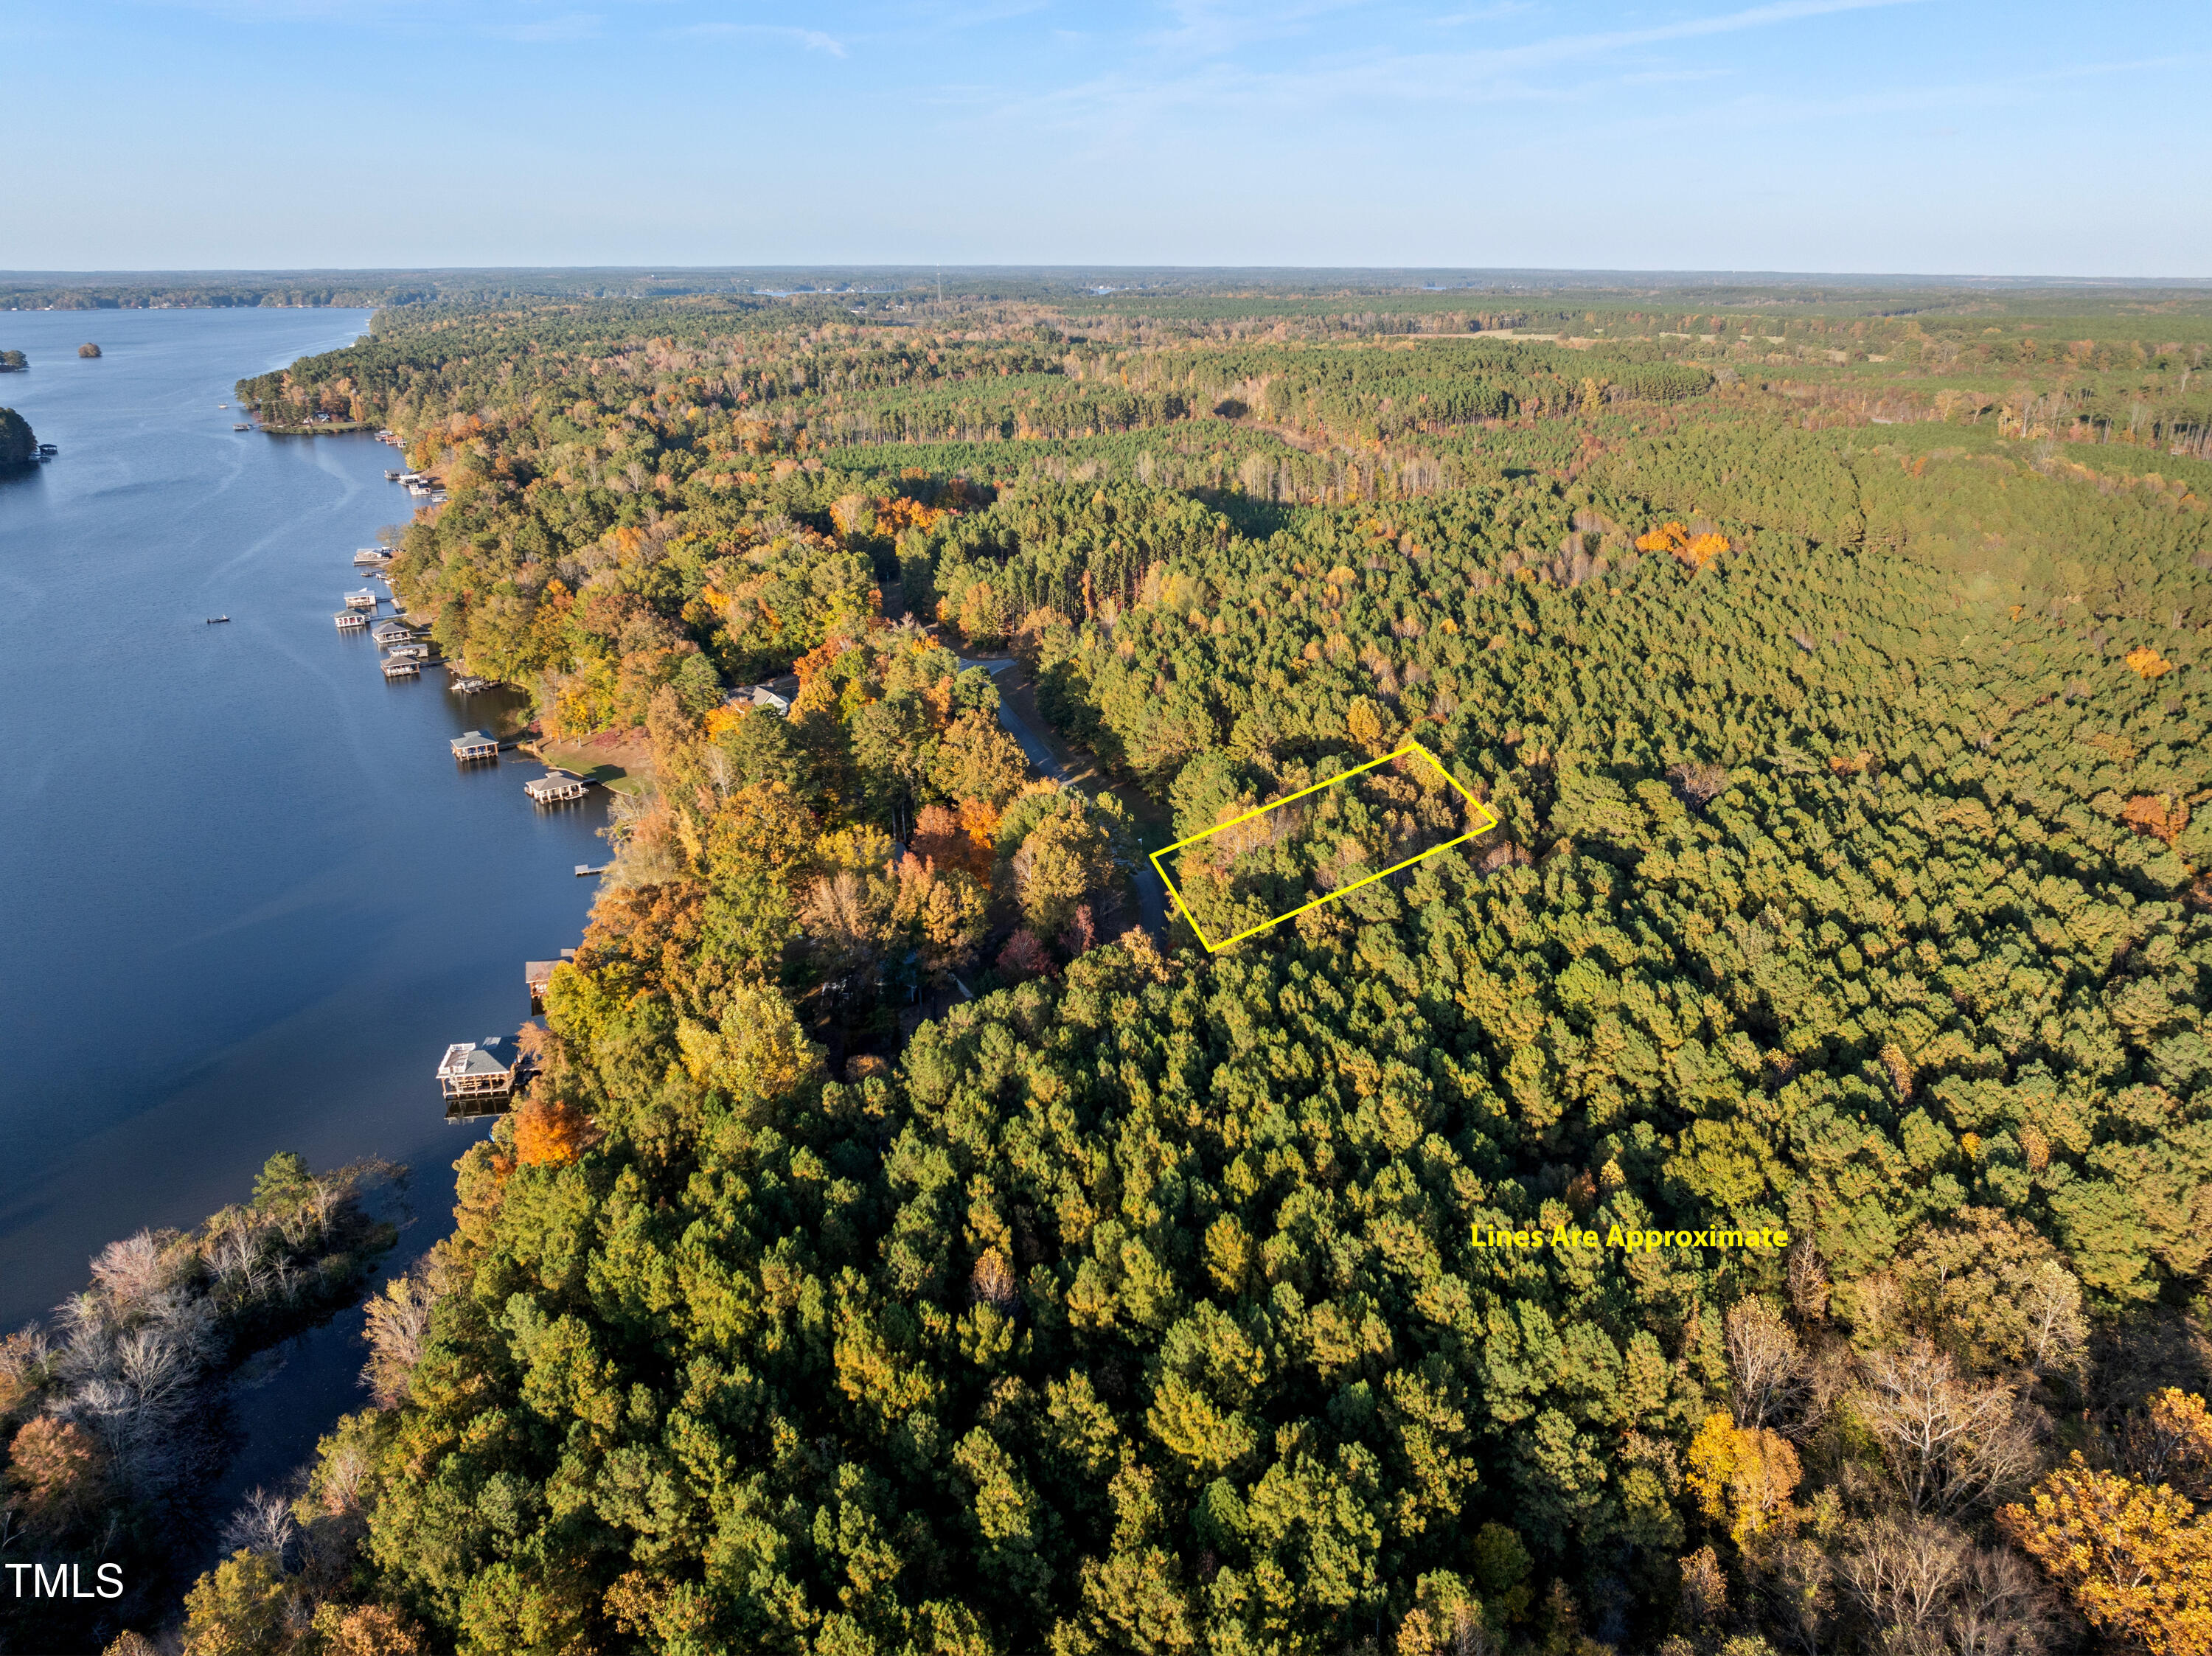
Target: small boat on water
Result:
[[213, 620]]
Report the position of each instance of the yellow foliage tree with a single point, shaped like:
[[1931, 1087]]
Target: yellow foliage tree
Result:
[[2136, 1561], [1364, 722], [1695, 550], [366, 1630], [2147, 661], [1744, 1477], [759, 1053], [237, 1609], [2171, 1444]]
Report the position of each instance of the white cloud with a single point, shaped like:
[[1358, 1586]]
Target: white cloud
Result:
[[1150, 108]]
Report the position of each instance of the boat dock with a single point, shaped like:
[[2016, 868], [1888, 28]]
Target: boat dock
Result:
[[403, 669], [350, 621], [363, 600], [584, 870], [466, 685], [555, 788], [478, 1077], [474, 744], [535, 974]]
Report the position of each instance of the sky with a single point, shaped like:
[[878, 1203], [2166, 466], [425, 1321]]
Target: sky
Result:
[[1940, 136]]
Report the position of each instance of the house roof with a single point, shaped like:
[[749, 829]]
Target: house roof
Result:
[[475, 1058], [757, 695]]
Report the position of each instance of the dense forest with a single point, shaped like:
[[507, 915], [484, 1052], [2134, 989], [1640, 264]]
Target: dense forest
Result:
[[902, 1249]]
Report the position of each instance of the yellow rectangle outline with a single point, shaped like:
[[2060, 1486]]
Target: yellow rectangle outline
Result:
[[1490, 821]]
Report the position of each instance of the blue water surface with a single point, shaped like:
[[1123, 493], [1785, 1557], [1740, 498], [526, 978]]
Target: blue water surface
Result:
[[248, 895]]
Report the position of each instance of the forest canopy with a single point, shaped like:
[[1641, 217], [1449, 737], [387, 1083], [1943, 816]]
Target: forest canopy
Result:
[[903, 1249]]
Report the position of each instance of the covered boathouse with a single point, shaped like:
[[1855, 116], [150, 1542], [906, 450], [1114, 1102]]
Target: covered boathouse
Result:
[[536, 974], [555, 788], [474, 744], [478, 1077]]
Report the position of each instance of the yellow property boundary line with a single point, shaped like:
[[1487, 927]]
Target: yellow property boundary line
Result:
[[1489, 821]]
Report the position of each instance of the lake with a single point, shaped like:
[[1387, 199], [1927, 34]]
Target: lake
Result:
[[250, 897]]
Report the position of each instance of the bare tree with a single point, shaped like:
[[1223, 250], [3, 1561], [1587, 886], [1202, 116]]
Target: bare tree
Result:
[[398, 1329], [1901, 1578], [156, 1366], [1469, 1635], [1796, 1581], [2050, 1303], [1765, 1365], [843, 917], [189, 1321], [341, 1475], [130, 1272], [1946, 1442], [721, 771], [263, 1524], [25, 1357], [1704, 1589], [1808, 1281], [2001, 1607], [1699, 784]]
